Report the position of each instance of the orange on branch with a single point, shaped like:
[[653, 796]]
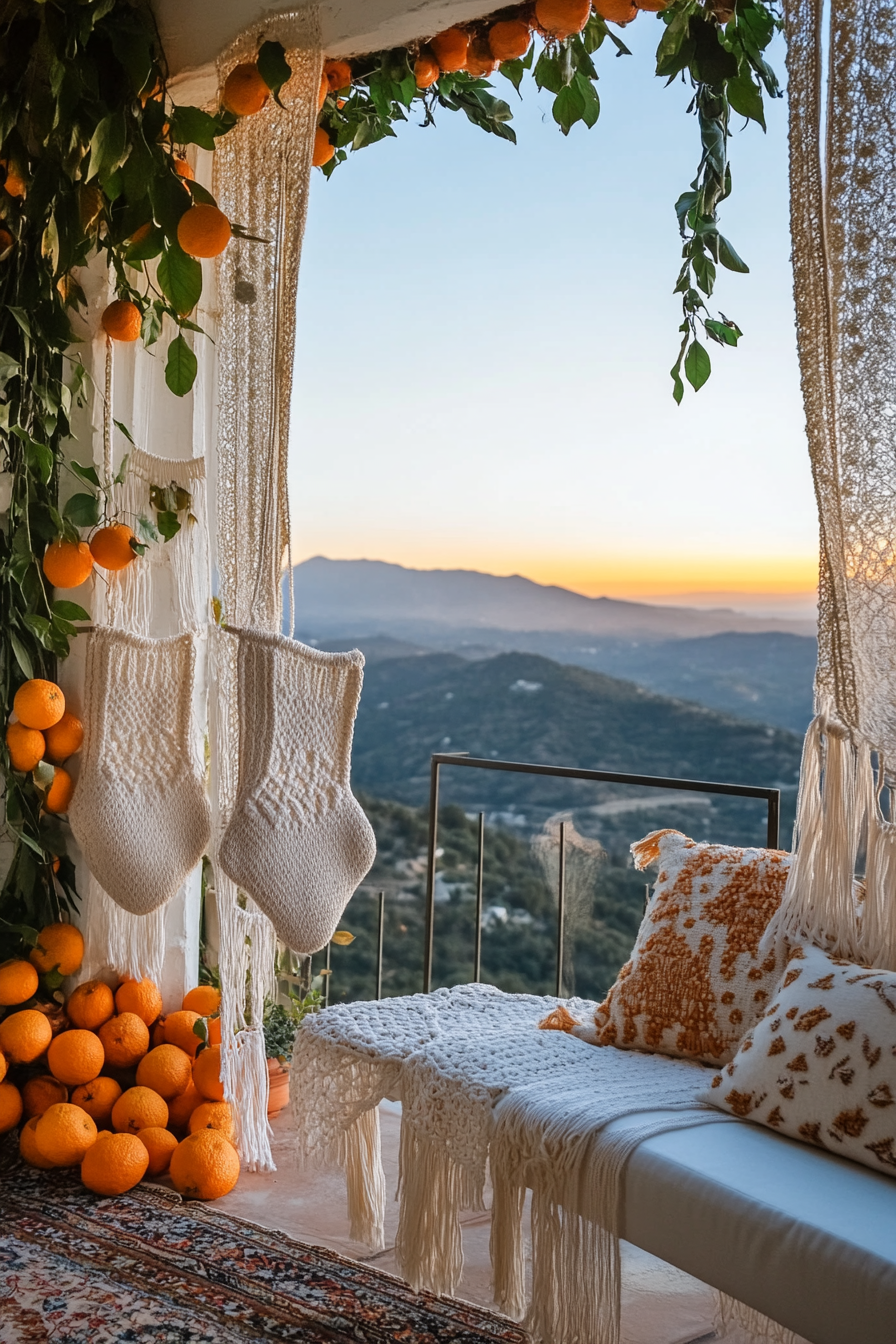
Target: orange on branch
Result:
[[122, 320], [42, 1092], [6, 240], [14, 182], [245, 91], [39, 704], [64, 739], [115, 1164], [204, 1166], [64, 1133], [322, 91], [480, 61], [166, 1069], [181, 1108], [509, 39], [426, 71], [214, 1115], [26, 746], [10, 1107], [125, 1040], [204, 1000], [60, 947], [160, 1144], [139, 1108], [18, 982], [450, 49], [111, 547], [338, 75], [323, 150], [97, 1099], [616, 11], [183, 169], [207, 1073], [60, 792], [25, 1035], [67, 564], [76, 1057], [203, 231], [141, 997], [561, 18], [28, 1149]]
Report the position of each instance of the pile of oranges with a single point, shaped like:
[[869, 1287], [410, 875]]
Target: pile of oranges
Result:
[[109, 1083], [43, 732]]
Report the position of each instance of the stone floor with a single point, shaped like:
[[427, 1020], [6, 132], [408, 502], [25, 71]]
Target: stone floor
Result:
[[660, 1304]]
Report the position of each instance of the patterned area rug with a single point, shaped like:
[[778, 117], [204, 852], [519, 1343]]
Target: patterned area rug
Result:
[[146, 1266]]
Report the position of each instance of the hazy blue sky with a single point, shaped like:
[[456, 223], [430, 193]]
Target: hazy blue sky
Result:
[[485, 334]]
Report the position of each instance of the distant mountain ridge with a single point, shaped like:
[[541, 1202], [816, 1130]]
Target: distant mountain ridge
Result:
[[372, 596]]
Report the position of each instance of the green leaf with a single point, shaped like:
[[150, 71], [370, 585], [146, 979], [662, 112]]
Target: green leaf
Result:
[[70, 611], [697, 365], [108, 147], [273, 67], [180, 370], [569, 106], [180, 280], [123, 429], [726, 333], [40, 458], [82, 510], [745, 97], [191, 126], [514, 71], [167, 523], [122, 471], [9, 367], [547, 73], [729, 258], [147, 248], [146, 529], [22, 656], [86, 473], [131, 45]]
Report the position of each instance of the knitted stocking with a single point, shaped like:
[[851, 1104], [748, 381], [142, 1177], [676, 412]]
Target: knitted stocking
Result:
[[140, 812], [298, 841]]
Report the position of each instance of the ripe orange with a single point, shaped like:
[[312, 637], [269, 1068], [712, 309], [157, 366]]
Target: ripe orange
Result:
[[26, 746], [28, 1148], [125, 1040], [426, 71], [181, 1108], [653, 6], [616, 11], [183, 169], [67, 564], [122, 320], [509, 39], [321, 94], [214, 1115], [111, 547], [139, 1108], [157, 1035], [24, 1036], [203, 231], [10, 1107], [160, 1144], [204, 1000], [39, 704], [214, 1031], [40, 1093], [245, 92], [166, 1070], [450, 49], [207, 1073], [90, 1005], [59, 794], [18, 981], [205, 1165], [60, 947], [560, 18], [14, 183], [76, 1057], [116, 1163], [97, 1099], [141, 997], [64, 739], [480, 61], [323, 150], [64, 1133], [4, 1067], [6, 238], [338, 75], [179, 1031]]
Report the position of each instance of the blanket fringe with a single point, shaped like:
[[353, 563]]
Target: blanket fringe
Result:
[[433, 1189], [761, 1329], [360, 1156]]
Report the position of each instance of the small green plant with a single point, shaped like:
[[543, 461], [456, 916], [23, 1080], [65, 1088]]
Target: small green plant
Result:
[[281, 1022]]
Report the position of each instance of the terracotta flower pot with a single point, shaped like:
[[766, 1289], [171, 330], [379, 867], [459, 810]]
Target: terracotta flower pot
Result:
[[278, 1087]]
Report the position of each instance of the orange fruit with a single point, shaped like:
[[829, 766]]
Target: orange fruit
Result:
[[160, 1144], [560, 18], [166, 1070], [90, 1005], [10, 1107], [111, 547], [207, 1073], [204, 1165], [509, 39], [139, 234], [338, 75], [214, 1115], [97, 1098], [122, 320], [245, 91], [214, 1031], [60, 947], [3, 1067], [115, 1164], [28, 1148], [141, 997], [450, 49], [183, 169], [181, 1108], [76, 1057], [125, 1040], [39, 704], [40, 1093], [18, 981], [59, 794], [179, 1031], [323, 150], [321, 94], [25, 1035], [14, 183], [204, 1000], [203, 231], [480, 61], [67, 564], [139, 1108], [64, 739], [26, 746], [64, 1133], [6, 238], [157, 1036], [616, 11], [426, 71]]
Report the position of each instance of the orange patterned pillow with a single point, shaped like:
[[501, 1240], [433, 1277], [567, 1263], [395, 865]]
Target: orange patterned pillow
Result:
[[696, 982]]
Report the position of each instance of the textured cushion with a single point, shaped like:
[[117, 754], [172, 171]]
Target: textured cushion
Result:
[[820, 1064], [695, 982]]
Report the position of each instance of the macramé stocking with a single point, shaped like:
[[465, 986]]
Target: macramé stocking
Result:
[[140, 812], [298, 841]]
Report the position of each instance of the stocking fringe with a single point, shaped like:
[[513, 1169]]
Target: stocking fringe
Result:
[[761, 1329], [433, 1189], [115, 940], [244, 1071]]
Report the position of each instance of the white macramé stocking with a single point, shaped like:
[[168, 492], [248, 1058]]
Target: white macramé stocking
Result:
[[298, 841], [140, 811]]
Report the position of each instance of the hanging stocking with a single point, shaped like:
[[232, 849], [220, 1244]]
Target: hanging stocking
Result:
[[140, 812], [298, 841]]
